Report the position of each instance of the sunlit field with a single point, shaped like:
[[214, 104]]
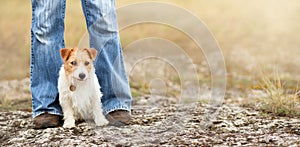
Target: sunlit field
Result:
[[257, 38]]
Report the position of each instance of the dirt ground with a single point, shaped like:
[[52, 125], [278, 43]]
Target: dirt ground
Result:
[[161, 121], [162, 125]]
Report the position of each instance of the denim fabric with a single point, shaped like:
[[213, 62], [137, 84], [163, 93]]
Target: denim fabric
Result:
[[47, 38]]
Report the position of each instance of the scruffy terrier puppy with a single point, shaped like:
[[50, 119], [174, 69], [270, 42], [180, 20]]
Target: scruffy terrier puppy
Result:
[[78, 87]]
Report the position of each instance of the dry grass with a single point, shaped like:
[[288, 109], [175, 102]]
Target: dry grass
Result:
[[277, 99], [23, 104], [253, 35]]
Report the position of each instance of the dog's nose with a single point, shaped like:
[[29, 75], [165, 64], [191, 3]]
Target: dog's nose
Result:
[[82, 76]]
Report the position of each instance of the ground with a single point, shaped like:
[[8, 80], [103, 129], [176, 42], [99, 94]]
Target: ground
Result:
[[160, 121]]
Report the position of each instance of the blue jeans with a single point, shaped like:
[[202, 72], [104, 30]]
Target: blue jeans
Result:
[[47, 38]]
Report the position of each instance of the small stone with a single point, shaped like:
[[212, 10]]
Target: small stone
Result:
[[238, 122]]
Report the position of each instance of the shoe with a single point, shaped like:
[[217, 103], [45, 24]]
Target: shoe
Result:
[[118, 118], [46, 120]]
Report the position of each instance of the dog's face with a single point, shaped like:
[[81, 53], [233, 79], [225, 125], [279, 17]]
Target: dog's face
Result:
[[78, 63]]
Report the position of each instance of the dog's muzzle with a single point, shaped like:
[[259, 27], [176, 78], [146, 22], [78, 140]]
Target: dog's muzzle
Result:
[[82, 76]]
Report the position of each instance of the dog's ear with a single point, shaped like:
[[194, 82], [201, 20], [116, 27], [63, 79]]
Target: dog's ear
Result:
[[92, 53], [65, 53]]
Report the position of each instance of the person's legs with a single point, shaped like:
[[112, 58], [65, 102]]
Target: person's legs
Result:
[[47, 33], [103, 32]]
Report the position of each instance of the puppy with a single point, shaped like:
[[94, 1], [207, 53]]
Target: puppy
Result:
[[78, 87]]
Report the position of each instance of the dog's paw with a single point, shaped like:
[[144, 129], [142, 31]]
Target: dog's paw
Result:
[[101, 122], [69, 124]]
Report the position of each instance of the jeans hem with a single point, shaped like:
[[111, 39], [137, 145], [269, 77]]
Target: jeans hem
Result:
[[50, 112], [120, 107]]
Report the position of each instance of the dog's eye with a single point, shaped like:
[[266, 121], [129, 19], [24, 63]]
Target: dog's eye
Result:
[[74, 63], [86, 63]]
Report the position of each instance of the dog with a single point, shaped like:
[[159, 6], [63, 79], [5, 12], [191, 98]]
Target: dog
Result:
[[78, 87]]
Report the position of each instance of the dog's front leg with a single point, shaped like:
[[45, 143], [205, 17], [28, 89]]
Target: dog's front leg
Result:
[[69, 121], [99, 118]]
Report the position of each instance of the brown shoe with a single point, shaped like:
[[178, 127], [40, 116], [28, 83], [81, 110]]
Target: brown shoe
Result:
[[46, 120], [118, 118]]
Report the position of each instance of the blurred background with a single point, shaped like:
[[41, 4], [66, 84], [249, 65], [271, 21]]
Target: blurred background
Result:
[[258, 38], [252, 34]]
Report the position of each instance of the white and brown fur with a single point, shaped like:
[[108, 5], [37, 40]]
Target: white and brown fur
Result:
[[78, 87]]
